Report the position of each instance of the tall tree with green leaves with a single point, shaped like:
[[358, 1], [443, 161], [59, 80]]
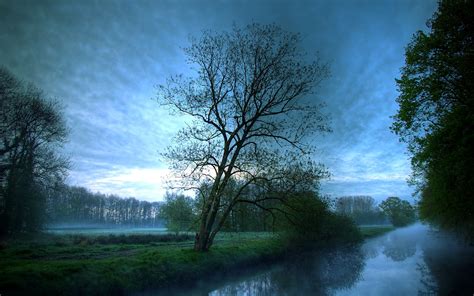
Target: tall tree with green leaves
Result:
[[399, 212], [436, 118]]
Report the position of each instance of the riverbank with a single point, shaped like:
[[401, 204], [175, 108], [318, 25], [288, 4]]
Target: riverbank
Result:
[[373, 231], [88, 267], [81, 268]]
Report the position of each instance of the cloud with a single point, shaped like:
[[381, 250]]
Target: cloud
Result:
[[146, 183], [104, 59]]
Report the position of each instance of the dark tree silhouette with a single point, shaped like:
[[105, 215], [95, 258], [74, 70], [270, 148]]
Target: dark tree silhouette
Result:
[[436, 115], [32, 129], [399, 212], [252, 103]]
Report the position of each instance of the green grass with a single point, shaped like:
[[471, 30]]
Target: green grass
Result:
[[63, 265], [105, 231], [373, 231], [117, 264]]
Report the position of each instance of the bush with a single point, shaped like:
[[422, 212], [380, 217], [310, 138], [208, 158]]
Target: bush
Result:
[[341, 229], [309, 222]]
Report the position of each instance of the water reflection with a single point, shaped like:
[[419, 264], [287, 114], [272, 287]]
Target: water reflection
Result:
[[450, 265], [415, 260], [428, 284], [311, 274], [400, 246]]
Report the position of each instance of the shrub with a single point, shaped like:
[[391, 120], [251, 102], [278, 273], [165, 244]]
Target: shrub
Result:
[[309, 222]]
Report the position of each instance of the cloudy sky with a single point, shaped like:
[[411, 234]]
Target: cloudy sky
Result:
[[104, 58]]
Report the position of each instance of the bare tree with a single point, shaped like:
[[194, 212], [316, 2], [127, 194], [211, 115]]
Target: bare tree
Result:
[[252, 107]]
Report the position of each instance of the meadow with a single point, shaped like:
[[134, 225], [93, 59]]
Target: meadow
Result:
[[94, 263]]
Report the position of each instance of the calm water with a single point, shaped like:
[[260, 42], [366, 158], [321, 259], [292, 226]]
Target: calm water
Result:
[[410, 261]]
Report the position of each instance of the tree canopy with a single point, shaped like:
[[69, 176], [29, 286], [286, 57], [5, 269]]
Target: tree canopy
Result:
[[400, 212], [436, 118], [178, 212], [32, 128], [252, 103]]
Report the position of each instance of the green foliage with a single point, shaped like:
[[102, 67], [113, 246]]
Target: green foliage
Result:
[[400, 212], [178, 210], [436, 115], [340, 229], [308, 221]]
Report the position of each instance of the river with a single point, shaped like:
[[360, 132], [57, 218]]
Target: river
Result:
[[414, 260]]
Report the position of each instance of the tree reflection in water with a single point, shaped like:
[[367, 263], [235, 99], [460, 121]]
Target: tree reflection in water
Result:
[[399, 246], [449, 263], [311, 274], [408, 261]]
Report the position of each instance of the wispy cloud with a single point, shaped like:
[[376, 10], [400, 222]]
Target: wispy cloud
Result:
[[103, 59], [147, 183]]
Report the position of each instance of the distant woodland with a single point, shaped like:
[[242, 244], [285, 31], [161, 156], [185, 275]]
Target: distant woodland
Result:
[[70, 205]]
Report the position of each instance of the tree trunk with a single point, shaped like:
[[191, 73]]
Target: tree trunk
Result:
[[200, 241]]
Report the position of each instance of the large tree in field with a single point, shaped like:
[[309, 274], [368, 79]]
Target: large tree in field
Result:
[[436, 115], [31, 129], [399, 212], [252, 106]]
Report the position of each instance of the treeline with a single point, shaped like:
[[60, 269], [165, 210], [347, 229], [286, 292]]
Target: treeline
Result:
[[362, 209], [77, 205], [181, 213]]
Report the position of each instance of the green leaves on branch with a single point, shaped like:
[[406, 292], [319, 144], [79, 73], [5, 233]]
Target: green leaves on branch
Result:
[[436, 115]]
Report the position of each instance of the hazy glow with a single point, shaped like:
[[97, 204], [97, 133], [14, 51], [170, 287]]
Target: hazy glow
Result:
[[147, 183]]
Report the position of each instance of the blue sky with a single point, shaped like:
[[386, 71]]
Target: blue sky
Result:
[[103, 60]]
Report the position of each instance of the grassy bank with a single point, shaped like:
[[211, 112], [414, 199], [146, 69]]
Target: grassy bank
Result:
[[85, 265], [373, 231], [88, 268]]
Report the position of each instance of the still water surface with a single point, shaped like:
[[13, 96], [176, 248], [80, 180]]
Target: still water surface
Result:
[[415, 260]]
